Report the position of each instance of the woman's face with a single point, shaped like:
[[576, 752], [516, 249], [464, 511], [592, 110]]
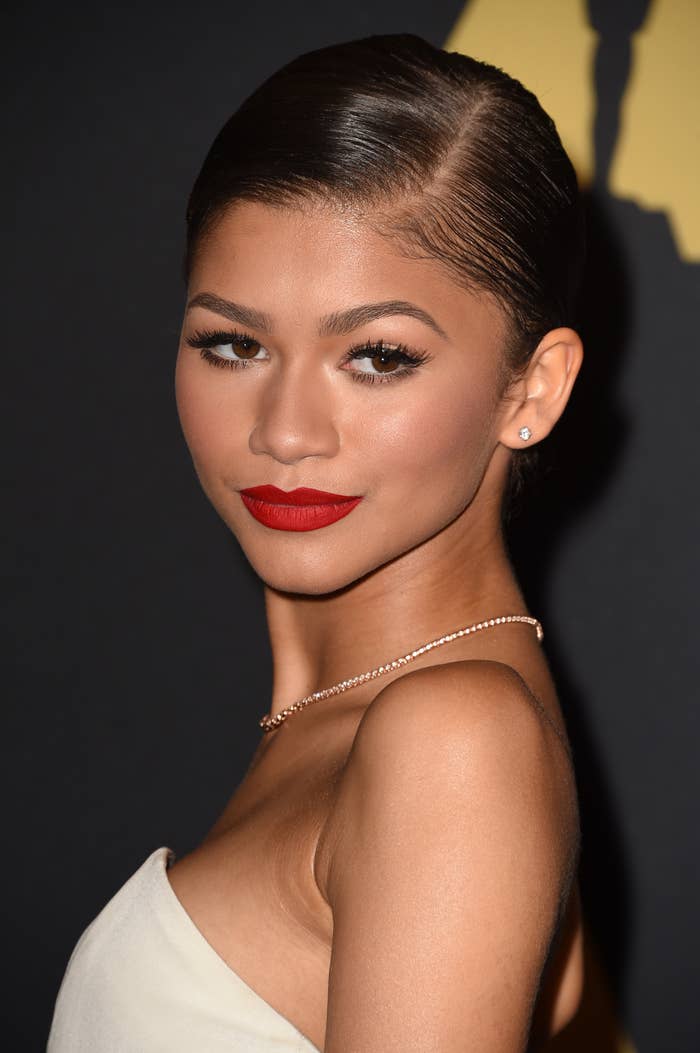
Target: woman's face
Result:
[[285, 392]]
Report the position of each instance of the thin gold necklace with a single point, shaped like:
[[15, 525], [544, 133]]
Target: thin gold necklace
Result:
[[269, 723]]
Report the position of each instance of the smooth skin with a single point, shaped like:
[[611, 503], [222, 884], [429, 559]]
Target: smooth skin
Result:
[[396, 870]]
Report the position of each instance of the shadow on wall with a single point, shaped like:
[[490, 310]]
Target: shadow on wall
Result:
[[576, 467]]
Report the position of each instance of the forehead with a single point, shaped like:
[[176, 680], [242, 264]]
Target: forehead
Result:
[[315, 257]]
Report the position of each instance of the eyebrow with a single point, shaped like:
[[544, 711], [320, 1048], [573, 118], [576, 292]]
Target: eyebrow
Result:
[[338, 323]]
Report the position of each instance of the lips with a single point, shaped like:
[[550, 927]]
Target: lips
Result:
[[303, 495], [297, 510]]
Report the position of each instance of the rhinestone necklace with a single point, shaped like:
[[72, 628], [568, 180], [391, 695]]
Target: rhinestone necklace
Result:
[[269, 723]]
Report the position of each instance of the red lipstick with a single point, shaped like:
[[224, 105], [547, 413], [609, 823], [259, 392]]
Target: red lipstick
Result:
[[300, 509]]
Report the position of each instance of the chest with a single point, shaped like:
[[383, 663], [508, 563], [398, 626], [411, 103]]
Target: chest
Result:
[[250, 886]]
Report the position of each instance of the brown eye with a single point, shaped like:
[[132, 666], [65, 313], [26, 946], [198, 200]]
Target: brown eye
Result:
[[244, 348], [376, 359], [384, 362], [235, 350], [378, 364]]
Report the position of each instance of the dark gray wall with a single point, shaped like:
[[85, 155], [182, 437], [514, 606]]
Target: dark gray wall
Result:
[[138, 661]]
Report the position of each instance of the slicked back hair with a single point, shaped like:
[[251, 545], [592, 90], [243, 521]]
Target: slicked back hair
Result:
[[450, 157]]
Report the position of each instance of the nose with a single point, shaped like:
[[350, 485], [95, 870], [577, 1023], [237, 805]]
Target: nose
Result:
[[295, 415]]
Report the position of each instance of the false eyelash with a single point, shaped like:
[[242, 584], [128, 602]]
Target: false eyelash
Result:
[[212, 337], [407, 359], [204, 339]]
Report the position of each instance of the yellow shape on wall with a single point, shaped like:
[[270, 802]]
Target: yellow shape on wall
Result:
[[657, 158], [549, 46]]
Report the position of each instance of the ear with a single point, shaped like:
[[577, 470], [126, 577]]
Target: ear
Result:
[[536, 400]]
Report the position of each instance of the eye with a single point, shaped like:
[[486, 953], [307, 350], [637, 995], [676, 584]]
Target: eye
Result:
[[229, 350], [382, 364]]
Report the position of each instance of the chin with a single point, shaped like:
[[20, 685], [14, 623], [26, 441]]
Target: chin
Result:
[[312, 575], [313, 581], [313, 567]]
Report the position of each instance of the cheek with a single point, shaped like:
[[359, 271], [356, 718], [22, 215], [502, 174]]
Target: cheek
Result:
[[205, 417], [439, 439]]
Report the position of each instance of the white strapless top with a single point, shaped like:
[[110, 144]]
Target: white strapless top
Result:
[[142, 978]]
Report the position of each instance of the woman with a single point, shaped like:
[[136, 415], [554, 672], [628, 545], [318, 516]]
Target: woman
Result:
[[384, 245]]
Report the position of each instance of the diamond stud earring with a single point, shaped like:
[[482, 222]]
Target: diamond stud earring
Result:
[[525, 433]]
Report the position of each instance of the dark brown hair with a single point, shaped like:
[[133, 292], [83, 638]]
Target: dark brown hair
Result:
[[451, 157]]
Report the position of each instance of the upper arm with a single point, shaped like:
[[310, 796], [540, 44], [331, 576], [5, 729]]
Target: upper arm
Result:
[[452, 840]]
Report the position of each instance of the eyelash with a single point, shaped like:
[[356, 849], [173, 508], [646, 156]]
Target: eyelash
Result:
[[408, 359]]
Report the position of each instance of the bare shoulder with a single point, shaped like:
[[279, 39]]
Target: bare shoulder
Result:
[[462, 731], [461, 722], [447, 861], [467, 697]]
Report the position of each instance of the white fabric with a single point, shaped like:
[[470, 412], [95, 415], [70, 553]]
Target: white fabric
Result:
[[142, 978]]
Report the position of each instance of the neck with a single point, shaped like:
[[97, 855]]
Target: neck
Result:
[[461, 575]]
